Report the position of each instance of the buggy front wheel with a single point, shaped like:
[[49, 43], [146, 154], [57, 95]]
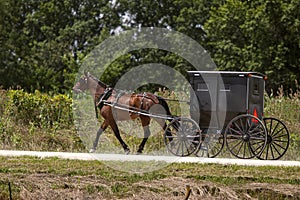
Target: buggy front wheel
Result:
[[182, 136]]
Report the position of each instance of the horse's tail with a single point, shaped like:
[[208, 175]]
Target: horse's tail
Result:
[[165, 105]]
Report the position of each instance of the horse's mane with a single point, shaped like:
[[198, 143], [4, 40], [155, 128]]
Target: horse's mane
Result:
[[98, 81]]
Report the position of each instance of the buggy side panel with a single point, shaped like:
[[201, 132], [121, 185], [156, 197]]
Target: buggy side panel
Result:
[[221, 96]]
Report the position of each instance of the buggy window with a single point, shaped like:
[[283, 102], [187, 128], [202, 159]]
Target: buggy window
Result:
[[202, 87], [256, 87]]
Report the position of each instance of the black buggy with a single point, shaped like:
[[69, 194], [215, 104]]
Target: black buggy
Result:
[[227, 108]]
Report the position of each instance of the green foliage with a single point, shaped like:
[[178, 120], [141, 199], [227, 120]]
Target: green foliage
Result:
[[258, 36], [37, 121], [40, 109], [43, 42]]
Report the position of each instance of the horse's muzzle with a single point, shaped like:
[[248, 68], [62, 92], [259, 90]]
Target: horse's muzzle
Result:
[[77, 91]]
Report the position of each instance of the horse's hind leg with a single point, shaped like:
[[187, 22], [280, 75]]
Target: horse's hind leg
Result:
[[115, 128], [145, 122], [99, 132]]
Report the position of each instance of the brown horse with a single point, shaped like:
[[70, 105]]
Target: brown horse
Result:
[[105, 98]]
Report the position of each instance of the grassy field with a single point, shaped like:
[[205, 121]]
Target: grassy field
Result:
[[53, 178]]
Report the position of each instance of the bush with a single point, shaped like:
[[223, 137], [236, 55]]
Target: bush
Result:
[[41, 109], [36, 121]]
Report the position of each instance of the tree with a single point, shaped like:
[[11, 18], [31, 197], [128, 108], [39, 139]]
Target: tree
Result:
[[43, 41], [258, 36]]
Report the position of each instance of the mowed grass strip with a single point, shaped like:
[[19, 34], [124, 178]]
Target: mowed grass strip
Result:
[[30, 165], [94, 178]]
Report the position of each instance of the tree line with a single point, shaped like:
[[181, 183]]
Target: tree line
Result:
[[43, 42]]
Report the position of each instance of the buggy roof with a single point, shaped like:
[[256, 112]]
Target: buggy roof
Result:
[[228, 73]]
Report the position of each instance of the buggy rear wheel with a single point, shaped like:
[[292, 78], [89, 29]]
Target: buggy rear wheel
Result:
[[277, 139], [211, 146], [182, 136], [246, 136]]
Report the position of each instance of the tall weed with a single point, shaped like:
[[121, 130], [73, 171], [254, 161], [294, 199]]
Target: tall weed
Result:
[[287, 109]]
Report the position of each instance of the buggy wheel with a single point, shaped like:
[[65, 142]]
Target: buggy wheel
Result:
[[212, 144], [182, 136], [246, 136], [277, 139]]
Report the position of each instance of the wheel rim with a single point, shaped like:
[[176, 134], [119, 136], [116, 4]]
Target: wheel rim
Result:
[[182, 137], [211, 146], [277, 140], [246, 136]]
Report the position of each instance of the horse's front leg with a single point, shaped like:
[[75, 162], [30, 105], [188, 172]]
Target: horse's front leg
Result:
[[145, 122], [99, 132]]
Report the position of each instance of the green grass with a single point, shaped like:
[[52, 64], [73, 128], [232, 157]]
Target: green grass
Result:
[[93, 177]]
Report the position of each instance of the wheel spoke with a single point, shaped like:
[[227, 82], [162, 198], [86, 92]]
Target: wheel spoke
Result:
[[257, 146], [249, 125], [271, 124], [178, 149], [267, 151], [239, 142], [284, 135], [257, 138], [182, 148], [272, 151], [236, 131], [171, 137], [175, 143], [244, 152], [274, 147], [231, 136], [278, 131], [272, 133], [257, 142], [278, 145], [256, 128], [280, 141], [238, 127]]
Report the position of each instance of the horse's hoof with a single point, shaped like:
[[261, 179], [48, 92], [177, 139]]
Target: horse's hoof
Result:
[[92, 150], [127, 151]]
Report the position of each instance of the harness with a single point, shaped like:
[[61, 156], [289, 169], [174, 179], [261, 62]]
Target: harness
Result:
[[142, 101], [107, 93], [103, 99]]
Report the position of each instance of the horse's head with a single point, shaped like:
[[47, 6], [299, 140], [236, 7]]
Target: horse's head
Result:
[[89, 82], [82, 84]]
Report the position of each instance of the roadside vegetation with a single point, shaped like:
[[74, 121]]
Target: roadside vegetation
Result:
[[41, 122]]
